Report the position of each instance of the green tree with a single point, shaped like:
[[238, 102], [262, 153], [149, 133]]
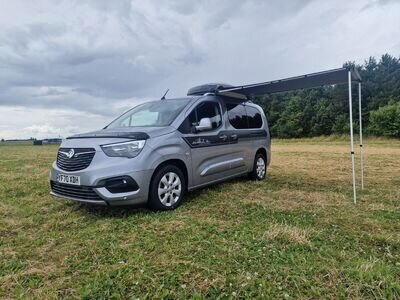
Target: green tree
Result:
[[322, 121], [385, 121], [290, 123], [325, 110]]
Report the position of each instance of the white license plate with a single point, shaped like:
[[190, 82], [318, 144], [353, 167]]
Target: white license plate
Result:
[[69, 179]]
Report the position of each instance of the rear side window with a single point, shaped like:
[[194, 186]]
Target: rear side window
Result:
[[254, 117], [237, 115], [205, 109]]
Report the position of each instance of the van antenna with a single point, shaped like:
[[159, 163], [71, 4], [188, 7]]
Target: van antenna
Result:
[[166, 92]]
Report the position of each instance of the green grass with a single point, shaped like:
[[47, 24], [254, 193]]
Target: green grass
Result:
[[295, 235]]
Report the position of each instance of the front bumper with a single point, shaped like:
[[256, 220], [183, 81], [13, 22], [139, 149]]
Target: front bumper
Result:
[[97, 202], [92, 189]]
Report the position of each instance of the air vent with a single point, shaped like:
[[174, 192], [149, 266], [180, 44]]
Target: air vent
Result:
[[77, 192]]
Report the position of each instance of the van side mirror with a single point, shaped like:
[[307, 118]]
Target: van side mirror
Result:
[[204, 124]]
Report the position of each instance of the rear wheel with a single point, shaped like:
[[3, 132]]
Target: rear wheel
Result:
[[167, 188], [259, 168]]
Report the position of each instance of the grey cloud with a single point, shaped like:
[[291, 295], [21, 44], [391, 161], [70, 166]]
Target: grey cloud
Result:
[[185, 7], [91, 66], [101, 57], [384, 2], [55, 99], [374, 3], [51, 91]]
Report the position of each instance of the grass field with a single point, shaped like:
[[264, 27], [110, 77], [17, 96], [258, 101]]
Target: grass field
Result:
[[295, 235]]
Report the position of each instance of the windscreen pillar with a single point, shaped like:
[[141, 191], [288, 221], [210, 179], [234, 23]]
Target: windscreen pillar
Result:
[[361, 140], [352, 141]]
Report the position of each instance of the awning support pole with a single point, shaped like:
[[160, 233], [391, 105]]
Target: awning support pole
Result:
[[352, 141], [361, 140]]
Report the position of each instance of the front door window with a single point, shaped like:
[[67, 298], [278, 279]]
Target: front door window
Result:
[[207, 109]]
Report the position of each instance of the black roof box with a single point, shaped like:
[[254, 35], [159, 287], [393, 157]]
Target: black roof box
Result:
[[207, 88]]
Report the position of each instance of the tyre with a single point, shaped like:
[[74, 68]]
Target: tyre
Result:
[[259, 168], [167, 188]]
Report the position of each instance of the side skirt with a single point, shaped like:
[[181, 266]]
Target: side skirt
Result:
[[192, 188]]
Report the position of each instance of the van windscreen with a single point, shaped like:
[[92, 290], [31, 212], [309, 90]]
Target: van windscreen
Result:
[[156, 113]]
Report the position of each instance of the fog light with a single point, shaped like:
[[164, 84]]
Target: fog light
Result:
[[124, 184]]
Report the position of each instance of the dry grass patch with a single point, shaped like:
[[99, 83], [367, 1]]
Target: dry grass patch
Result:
[[291, 200], [289, 233]]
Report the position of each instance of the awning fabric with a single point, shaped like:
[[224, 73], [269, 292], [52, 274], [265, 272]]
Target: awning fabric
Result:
[[329, 77]]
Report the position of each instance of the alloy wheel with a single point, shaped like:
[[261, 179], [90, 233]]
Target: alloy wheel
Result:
[[169, 189], [260, 167]]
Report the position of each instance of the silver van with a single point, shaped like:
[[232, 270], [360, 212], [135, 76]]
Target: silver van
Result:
[[159, 150]]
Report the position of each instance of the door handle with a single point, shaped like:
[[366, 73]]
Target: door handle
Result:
[[223, 137], [234, 136]]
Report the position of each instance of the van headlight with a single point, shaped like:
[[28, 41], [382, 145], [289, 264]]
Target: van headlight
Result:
[[125, 149]]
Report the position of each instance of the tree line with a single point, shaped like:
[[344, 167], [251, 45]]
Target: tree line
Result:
[[324, 110]]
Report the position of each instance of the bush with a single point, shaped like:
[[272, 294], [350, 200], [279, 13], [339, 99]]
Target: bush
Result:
[[385, 121]]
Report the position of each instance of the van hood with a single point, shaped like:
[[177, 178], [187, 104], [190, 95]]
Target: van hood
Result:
[[132, 133]]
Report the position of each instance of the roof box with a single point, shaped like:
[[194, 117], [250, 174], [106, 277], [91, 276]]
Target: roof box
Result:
[[203, 89]]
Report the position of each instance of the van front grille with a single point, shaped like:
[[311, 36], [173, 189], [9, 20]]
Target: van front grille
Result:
[[74, 191], [74, 159]]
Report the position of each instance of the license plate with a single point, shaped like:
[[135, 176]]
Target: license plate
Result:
[[69, 179]]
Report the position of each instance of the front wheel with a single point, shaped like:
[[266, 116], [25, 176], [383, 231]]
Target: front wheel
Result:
[[259, 168], [167, 188]]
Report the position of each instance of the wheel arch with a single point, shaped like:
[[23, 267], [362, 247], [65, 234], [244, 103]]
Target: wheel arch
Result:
[[176, 162], [263, 151]]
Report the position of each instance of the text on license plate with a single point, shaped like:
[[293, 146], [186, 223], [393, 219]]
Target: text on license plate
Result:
[[69, 179]]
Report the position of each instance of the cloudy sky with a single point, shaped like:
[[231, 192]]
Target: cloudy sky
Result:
[[72, 66]]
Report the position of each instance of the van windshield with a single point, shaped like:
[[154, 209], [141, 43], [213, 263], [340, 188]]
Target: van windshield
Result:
[[156, 113]]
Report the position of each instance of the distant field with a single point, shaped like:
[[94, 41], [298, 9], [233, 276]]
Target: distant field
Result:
[[16, 143], [295, 235]]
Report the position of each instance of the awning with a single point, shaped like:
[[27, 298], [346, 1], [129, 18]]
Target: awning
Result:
[[336, 76], [312, 80]]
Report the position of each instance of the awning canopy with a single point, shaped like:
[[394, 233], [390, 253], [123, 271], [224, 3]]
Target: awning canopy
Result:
[[341, 75], [312, 80]]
